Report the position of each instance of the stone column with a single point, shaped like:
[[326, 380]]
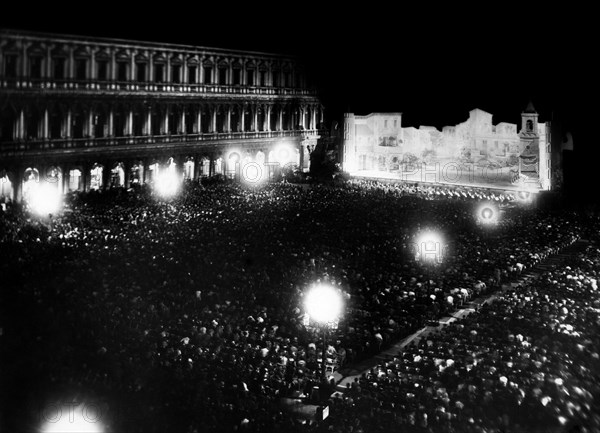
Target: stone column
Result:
[[113, 66], [268, 118], [149, 121], [90, 125], [48, 64], [111, 132], [184, 71], [228, 119], [280, 119], [243, 120], [132, 70], [92, 74], [70, 69], [168, 70], [24, 61], [67, 124], [213, 123], [182, 129], [255, 118], [165, 130], [201, 70], [129, 123], [21, 129], [150, 72], [198, 125], [46, 125]]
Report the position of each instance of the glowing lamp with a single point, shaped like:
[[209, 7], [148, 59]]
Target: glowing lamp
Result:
[[323, 304], [45, 199], [167, 183]]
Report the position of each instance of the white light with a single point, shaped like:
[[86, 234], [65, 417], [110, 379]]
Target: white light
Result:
[[430, 246], [167, 183], [323, 303], [487, 214], [80, 418], [44, 199]]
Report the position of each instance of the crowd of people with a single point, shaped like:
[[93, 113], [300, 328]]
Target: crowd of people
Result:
[[187, 314], [528, 362]]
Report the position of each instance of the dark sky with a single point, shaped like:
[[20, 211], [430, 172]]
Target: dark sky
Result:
[[432, 64]]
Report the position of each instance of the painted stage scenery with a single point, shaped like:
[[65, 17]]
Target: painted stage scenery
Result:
[[475, 152]]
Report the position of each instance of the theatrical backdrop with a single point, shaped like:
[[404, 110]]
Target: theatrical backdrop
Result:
[[475, 152]]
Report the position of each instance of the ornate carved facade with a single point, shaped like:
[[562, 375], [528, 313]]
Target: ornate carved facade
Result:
[[91, 113]]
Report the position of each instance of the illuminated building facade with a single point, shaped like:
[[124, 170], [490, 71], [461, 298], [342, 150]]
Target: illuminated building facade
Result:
[[473, 152], [90, 113]]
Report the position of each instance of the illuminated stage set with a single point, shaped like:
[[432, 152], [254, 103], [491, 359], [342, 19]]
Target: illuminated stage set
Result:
[[474, 153]]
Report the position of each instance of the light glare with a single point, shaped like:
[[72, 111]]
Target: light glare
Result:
[[45, 199], [323, 304], [167, 183]]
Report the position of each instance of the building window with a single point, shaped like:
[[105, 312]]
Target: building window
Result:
[[237, 77], [207, 75], [192, 74], [122, 71], [250, 77], [35, 67], [141, 72], [222, 76], [263, 78], [59, 68], [10, 65], [385, 123], [102, 70], [395, 123], [529, 126], [176, 74], [81, 69], [276, 78], [159, 73]]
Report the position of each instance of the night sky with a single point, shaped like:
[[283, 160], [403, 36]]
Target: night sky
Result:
[[433, 65]]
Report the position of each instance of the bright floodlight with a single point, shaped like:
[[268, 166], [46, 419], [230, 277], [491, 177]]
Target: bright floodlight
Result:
[[430, 246], [487, 214], [323, 304], [72, 419], [167, 183], [45, 199]]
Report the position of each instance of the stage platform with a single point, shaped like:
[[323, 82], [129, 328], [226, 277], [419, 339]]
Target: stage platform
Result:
[[478, 182]]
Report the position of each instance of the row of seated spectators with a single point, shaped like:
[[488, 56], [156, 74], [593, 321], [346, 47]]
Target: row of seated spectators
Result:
[[527, 362], [187, 314]]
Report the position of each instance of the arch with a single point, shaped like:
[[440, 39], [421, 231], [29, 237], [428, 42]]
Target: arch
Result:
[[117, 175], [188, 168], [204, 166], [96, 177], [136, 173], [233, 161], [218, 166], [529, 125], [75, 180], [6, 187]]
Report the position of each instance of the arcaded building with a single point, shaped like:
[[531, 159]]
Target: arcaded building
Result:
[[92, 113]]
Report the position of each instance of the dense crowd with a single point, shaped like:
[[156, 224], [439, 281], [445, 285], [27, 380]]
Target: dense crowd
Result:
[[528, 362], [186, 314]]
